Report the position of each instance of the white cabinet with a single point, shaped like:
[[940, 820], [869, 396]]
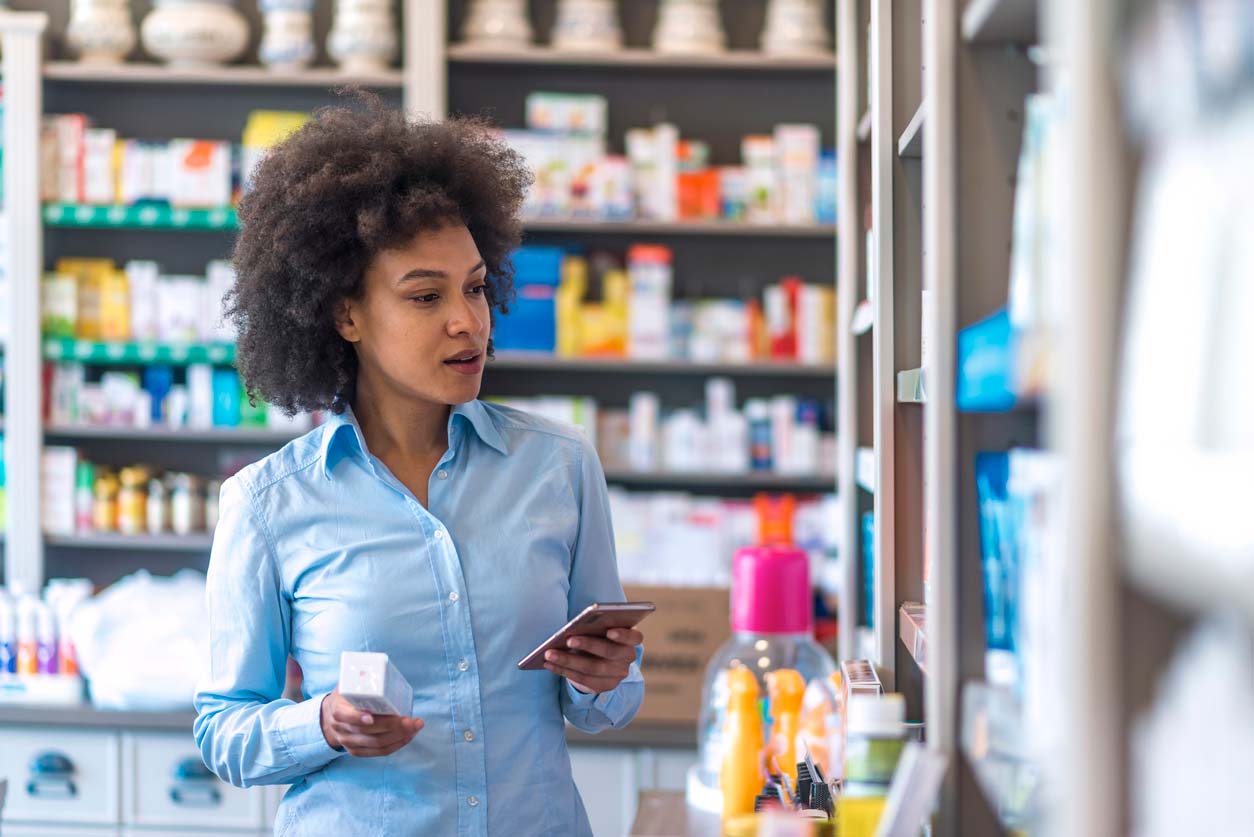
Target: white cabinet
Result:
[[167, 785], [670, 769], [60, 776], [606, 778]]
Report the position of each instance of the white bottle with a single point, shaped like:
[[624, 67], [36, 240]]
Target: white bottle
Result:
[[689, 27], [363, 38], [796, 29], [643, 409], [497, 24], [288, 43], [586, 26]]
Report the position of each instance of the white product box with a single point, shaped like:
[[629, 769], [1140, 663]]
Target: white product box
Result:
[[783, 438], [143, 277], [98, 186], [220, 279], [797, 159], [567, 113], [144, 172], [71, 129], [200, 396], [200, 173], [758, 153], [371, 683], [58, 467], [180, 302]]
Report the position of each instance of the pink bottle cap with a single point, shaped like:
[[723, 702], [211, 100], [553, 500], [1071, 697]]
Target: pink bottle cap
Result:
[[771, 590]]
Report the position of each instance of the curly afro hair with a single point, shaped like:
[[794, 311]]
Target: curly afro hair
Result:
[[323, 203]]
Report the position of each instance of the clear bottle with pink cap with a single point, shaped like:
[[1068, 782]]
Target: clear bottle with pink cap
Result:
[[772, 628]]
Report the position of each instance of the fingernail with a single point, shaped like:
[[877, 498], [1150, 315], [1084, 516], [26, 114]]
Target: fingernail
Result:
[[366, 719], [550, 656], [613, 635], [574, 643]]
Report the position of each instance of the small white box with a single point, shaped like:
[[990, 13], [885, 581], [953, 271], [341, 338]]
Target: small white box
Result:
[[371, 683]]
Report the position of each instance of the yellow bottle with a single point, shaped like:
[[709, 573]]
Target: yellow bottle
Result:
[[741, 776], [785, 687], [568, 302]]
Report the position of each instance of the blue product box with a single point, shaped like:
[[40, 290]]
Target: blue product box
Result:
[[986, 365], [226, 400], [537, 265]]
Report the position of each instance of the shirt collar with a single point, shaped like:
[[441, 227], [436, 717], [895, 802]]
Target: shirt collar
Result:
[[343, 430]]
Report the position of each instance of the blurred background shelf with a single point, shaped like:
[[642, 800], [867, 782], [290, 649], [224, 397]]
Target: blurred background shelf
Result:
[[180, 435], [864, 127], [913, 632], [725, 482], [151, 217], [722, 228], [242, 76], [1000, 21], [106, 353], [746, 60], [147, 543], [911, 387], [865, 469], [550, 363]]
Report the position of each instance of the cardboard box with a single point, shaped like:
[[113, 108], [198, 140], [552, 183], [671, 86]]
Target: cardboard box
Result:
[[679, 639]]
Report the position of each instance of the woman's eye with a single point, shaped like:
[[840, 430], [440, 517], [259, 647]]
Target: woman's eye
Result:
[[479, 289], [425, 298]]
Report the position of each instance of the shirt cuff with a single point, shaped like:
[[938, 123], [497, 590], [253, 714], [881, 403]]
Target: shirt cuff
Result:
[[300, 729]]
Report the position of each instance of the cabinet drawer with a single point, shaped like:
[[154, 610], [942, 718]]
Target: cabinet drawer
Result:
[[55, 831], [167, 785], [60, 776]]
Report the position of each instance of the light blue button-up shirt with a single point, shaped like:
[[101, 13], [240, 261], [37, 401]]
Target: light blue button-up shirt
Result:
[[320, 549]]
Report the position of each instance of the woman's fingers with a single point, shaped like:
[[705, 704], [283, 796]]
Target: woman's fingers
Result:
[[626, 636], [590, 684], [603, 648], [587, 664]]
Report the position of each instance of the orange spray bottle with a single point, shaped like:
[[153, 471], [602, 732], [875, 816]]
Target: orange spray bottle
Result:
[[741, 777], [785, 687]]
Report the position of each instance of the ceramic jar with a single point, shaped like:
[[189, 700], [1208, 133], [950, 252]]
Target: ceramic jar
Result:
[[195, 33], [363, 38], [690, 27], [497, 24], [795, 28], [587, 25], [101, 31], [288, 42]]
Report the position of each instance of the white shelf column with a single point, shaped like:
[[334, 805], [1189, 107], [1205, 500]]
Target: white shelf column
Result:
[[424, 67], [21, 34]]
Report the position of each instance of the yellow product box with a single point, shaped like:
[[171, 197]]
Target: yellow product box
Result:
[[264, 129], [115, 306], [859, 816], [90, 275]]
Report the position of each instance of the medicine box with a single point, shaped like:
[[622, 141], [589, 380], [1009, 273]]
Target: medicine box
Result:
[[371, 683]]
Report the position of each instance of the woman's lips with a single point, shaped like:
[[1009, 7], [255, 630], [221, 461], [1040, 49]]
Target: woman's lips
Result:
[[471, 366]]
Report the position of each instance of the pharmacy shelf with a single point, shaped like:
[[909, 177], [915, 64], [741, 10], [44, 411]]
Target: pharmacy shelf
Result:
[[746, 60], [864, 127], [910, 143], [538, 362], [864, 467], [1000, 22], [911, 387], [99, 353], [133, 543], [912, 630], [730, 482], [235, 76], [686, 228], [140, 217], [178, 435]]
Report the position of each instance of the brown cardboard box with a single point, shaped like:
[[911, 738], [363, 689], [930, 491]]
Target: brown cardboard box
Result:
[[679, 639]]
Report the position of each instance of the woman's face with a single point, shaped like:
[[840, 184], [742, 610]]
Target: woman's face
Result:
[[422, 324]]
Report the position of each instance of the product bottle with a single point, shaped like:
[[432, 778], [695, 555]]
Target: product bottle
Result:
[[104, 512], [27, 637], [158, 511], [786, 687], [772, 628], [84, 502], [8, 635], [758, 414], [132, 501], [740, 776], [45, 639], [875, 738], [567, 302]]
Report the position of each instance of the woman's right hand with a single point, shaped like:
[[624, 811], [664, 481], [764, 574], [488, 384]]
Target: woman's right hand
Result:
[[362, 734]]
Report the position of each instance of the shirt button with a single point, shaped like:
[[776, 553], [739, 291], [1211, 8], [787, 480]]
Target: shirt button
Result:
[[452, 597], [469, 735], [462, 665], [441, 474], [439, 534], [472, 801]]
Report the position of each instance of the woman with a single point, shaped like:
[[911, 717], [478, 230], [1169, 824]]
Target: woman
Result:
[[450, 534]]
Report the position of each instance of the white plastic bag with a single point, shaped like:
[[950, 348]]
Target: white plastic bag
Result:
[[142, 643]]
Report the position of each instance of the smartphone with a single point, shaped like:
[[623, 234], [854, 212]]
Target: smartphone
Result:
[[596, 620]]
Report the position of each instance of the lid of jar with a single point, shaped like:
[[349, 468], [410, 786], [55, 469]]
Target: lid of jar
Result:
[[771, 590], [877, 715]]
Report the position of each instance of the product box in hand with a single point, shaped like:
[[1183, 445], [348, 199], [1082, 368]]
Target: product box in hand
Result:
[[370, 682], [679, 639]]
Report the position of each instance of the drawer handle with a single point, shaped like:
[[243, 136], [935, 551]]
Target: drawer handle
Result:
[[57, 787], [195, 795], [51, 763]]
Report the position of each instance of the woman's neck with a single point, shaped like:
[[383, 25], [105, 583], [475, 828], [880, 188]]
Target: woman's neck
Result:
[[399, 427]]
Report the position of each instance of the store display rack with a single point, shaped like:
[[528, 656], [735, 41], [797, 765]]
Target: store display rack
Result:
[[146, 73], [139, 217], [104, 353], [639, 59]]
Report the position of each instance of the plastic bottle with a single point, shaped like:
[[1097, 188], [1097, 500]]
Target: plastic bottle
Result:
[[158, 511], [27, 637], [8, 635], [740, 776], [786, 687], [104, 510], [772, 628], [45, 639], [758, 414], [875, 738], [132, 501], [84, 500]]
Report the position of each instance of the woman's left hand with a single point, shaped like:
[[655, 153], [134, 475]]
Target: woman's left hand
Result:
[[595, 665]]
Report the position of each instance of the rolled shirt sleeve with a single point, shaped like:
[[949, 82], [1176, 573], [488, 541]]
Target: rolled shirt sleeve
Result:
[[594, 578], [247, 733]]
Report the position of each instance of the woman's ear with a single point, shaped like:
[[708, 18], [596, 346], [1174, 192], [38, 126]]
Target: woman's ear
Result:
[[344, 322]]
